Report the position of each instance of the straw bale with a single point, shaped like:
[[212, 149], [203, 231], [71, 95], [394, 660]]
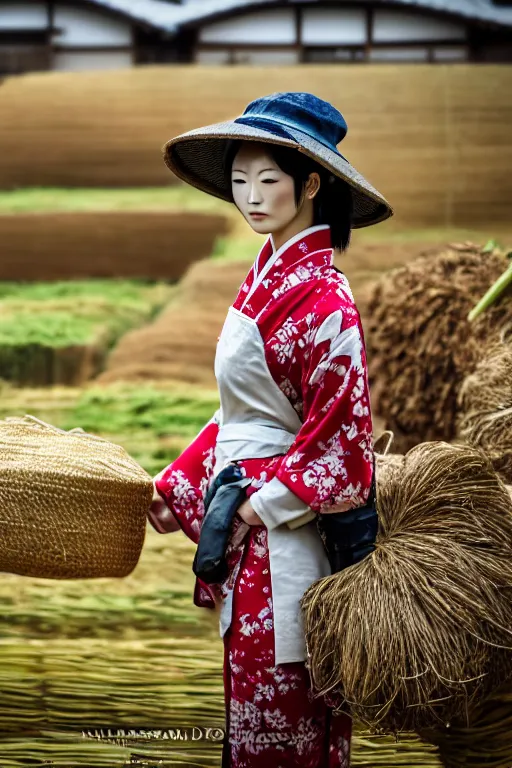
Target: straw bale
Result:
[[364, 263], [487, 740], [420, 343], [418, 633], [484, 417], [435, 140], [136, 244], [73, 504]]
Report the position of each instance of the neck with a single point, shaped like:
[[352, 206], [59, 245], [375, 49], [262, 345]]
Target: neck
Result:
[[281, 236]]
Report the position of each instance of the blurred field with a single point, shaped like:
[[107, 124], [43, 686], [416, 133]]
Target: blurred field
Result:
[[239, 242], [180, 343], [434, 140]]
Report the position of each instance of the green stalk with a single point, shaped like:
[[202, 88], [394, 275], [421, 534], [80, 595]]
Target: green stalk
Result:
[[501, 284]]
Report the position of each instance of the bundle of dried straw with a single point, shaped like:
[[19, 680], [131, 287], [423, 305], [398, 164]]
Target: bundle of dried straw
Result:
[[484, 403], [420, 343], [486, 741], [419, 632]]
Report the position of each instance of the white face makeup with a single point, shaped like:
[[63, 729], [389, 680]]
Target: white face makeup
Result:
[[260, 186]]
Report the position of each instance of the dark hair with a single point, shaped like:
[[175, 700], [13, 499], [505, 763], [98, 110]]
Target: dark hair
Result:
[[333, 203]]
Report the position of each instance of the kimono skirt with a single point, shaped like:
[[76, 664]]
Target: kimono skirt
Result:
[[272, 718]]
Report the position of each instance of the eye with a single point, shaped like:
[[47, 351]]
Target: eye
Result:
[[238, 181], [269, 181]]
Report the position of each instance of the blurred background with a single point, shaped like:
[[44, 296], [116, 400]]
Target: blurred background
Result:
[[115, 279]]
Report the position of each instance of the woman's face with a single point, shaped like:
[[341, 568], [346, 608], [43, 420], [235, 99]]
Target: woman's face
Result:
[[260, 186]]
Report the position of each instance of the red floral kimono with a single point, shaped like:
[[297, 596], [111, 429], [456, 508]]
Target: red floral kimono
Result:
[[295, 415]]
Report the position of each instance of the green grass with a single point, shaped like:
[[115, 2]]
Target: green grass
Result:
[[116, 289], [153, 422], [48, 329], [77, 312], [128, 407], [54, 199]]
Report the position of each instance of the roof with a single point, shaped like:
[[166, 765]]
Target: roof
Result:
[[170, 17], [157, 13]]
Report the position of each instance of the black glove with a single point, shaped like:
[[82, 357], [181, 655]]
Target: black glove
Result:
[[210, 560], [349, 537]]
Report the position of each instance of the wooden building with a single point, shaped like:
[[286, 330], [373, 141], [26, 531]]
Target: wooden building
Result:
[[40, 35]]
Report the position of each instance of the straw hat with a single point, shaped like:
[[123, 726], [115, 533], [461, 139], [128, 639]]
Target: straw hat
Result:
[[299, 120], [74, 505]]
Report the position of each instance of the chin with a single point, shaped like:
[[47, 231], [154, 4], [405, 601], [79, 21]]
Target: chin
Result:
[[263, 227]]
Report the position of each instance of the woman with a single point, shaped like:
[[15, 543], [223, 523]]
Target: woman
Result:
[[295, 414]]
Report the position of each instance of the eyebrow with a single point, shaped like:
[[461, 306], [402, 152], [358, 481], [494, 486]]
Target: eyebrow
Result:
[[239, 170]]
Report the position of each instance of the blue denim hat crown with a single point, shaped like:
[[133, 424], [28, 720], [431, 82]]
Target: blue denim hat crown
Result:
[[300, 111]]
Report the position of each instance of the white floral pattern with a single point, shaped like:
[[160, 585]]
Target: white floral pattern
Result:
[[273, 718]]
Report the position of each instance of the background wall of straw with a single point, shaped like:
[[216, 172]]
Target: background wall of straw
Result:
[[53, 246], [434, 139]]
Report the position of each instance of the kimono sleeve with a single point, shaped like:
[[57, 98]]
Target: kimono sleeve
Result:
[[329, 466], [184, 482]]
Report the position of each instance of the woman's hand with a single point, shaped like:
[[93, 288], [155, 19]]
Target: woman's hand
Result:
[[159, 514], [248, 514]]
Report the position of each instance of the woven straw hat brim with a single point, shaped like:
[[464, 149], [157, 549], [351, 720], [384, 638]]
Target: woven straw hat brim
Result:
[[197, 157]]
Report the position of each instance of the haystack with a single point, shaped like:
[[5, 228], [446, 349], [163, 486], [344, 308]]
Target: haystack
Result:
[[420, 344], [420, 632], [484, 403], [486, 741]]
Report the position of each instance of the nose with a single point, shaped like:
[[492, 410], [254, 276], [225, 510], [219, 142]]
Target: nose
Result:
[[254, 193]]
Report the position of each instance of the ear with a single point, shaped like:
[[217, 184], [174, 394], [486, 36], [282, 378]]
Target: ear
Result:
[[312, 185]]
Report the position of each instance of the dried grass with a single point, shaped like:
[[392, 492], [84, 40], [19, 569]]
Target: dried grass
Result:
[[485, 408], [488, 739], [411, 637], [420, 344], [133, 244]]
